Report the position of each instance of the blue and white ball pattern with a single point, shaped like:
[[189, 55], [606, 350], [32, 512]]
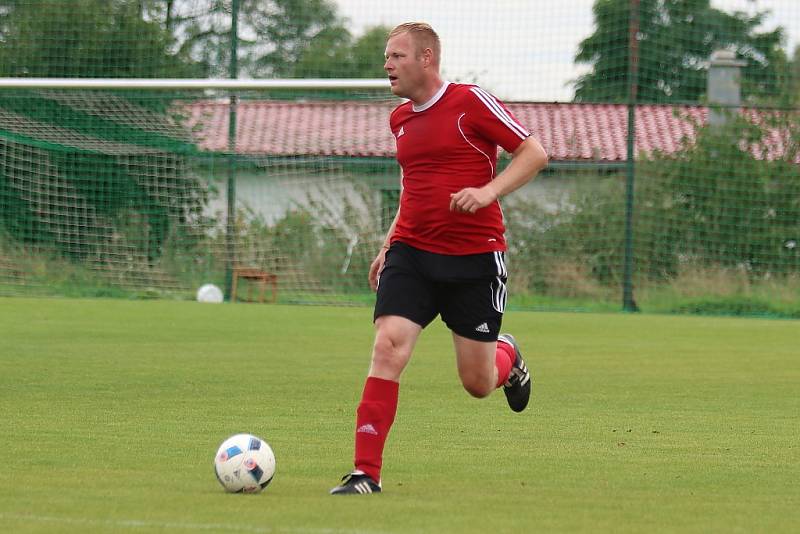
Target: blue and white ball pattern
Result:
[[244, 464]]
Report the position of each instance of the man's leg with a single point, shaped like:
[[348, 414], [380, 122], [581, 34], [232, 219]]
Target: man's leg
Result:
[[395, 338], [517, 386], [483, 366]]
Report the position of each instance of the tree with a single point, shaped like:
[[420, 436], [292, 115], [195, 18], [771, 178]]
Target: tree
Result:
[[182, 38], [335, 54], [675, 40], [273, 35], [367, 53], [284, 30], [791, 81], [87, 38]]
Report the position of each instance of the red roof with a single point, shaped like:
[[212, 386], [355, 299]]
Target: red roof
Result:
[[568, 132]]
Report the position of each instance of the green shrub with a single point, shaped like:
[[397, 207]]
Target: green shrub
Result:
[[719, 202]]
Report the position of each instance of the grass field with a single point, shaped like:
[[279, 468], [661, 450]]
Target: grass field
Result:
[[112, 411]]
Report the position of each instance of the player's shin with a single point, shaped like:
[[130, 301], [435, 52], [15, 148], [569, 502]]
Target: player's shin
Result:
[[375, 416]]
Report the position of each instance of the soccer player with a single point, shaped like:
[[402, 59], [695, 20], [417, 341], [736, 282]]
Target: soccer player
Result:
[[444, 251]]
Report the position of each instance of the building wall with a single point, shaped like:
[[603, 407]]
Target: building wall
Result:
[[269, 195]]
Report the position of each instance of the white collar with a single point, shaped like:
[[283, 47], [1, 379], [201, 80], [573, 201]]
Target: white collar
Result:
[[435, 98]]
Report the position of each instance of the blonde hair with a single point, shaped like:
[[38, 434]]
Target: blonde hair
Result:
[[423, 36]]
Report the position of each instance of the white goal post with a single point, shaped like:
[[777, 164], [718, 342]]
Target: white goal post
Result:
[[192, 83]]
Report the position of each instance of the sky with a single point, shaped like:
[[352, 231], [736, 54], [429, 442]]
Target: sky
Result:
[[523, 49]]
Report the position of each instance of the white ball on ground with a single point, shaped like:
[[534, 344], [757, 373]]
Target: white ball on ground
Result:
[[209, 293], [244, 463]]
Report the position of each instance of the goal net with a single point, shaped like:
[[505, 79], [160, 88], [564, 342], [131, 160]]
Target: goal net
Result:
[[152, 192]]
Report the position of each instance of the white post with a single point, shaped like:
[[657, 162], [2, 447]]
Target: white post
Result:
[[191, 83]]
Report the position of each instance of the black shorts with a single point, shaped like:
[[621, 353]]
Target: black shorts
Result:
[[468, 291]]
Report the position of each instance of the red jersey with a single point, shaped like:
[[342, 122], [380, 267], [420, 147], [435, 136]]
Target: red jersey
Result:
[[443, 146]]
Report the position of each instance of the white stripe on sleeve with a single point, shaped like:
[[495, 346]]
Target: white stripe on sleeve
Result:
[[489, 101]]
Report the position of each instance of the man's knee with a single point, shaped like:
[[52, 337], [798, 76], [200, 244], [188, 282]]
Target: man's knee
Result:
[[389, 355], [478, 385], [476, 365]]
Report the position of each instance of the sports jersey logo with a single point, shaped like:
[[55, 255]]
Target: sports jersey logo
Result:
[[401, 132], [367, 429]]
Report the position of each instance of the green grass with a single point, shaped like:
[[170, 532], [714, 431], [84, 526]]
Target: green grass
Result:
[[112, 411]]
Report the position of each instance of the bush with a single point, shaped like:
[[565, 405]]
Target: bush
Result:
[[572, 250], [719, 202]]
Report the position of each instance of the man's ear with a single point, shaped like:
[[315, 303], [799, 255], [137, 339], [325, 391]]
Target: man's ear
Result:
[[427, 56]]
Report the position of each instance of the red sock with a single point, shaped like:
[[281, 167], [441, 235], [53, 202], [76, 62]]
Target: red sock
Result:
[[504, 360], [375, 416]]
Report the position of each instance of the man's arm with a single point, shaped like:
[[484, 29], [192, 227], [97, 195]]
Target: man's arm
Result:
[[377, 263], [527, 160]]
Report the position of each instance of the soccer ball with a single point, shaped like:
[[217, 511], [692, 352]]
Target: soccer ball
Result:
[[244, 464], [209, 293]]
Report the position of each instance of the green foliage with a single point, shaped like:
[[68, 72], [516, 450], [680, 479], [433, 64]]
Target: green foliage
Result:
[[276, 38], [334, 54], [573, 249], [321, 248], [119, 158], [675, 40], [792, 80], [182, 39], [330, 245], [719, 201], [86, 38], [367, 53], [291, 27], [717, 205]]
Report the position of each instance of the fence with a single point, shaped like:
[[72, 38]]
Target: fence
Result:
[[673, 183]]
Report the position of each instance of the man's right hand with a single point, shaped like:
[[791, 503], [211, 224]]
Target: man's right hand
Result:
[[376, 267]]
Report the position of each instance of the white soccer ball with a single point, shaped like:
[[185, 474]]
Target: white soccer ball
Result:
[[209, 293], [244, 464]]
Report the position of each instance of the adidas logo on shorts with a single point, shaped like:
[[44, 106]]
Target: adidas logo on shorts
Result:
[[483, 327]]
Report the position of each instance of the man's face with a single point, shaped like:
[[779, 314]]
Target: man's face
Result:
[[404, 67]]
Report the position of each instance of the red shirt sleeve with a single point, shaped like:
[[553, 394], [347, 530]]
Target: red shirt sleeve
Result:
[[494, 122]]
